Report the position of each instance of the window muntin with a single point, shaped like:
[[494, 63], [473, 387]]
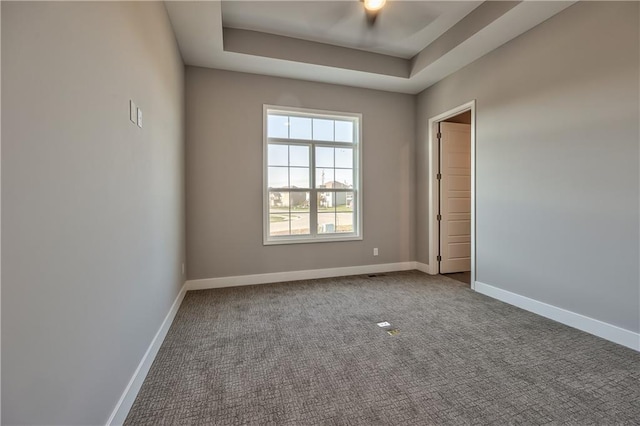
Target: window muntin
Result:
[[312, 176]]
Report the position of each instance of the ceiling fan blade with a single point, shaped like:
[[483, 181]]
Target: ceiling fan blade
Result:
[[371, 17], [401, 20], [368, 34], [329, 15]]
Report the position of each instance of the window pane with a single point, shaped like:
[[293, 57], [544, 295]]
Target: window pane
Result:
[[344, 177], [326, 202], [349, 202], [300, 224], [279, 224], [278, 177], [344, 131], [278, 155], [322, 129], [299, 177], [300, 213], [300, 128], [299, 202], [344, 212], [277, 126], [326, 213], [344, 222], [278, 202], [324, 177], [342, 201], [324, 156], [299, 155], [279, 213], [344, 157], [326, 223]]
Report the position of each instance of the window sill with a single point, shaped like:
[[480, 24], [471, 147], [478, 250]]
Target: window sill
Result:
[[306, 240]]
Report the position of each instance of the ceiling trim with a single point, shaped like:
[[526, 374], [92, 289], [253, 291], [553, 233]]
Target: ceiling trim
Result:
[[311, 52], [203, 42], [475, 21]]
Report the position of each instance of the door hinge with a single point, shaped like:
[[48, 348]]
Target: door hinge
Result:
[[439, 176], [439, 217], [439, 258], [439, 135]]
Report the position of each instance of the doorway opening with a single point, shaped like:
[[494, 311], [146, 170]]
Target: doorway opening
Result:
[[452, 194]]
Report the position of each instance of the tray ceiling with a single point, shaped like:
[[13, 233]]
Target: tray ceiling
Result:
[[413, 45]]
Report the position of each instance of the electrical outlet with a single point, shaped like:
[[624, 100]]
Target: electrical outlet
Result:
[[139, 117], [375, 251]]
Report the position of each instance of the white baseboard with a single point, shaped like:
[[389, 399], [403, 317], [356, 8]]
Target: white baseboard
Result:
[[123, 406], [297, 275], [596, 327]]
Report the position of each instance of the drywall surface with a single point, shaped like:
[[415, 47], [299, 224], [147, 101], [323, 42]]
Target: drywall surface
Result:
[[224, 174], [92, 205], [556, 161]]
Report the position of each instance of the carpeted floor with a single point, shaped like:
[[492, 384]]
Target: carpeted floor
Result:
[[310, 353], [463, 277]]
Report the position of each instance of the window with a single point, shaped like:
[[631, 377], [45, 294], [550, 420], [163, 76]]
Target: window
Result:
[[312, 189]]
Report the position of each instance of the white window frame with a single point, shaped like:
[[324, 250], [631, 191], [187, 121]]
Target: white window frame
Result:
[[314, 236]]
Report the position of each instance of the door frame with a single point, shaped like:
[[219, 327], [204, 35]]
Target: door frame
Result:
[[434, 192]]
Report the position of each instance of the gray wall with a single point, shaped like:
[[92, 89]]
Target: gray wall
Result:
[[224, 174], [92, 206], [557, 161]]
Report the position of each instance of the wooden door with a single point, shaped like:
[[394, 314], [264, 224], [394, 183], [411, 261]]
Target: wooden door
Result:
[[455, 197]]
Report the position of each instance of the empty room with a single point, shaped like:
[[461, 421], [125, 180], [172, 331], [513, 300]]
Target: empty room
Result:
[[351, 212]]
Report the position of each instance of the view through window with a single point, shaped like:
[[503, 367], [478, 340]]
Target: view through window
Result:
[[312, 169]]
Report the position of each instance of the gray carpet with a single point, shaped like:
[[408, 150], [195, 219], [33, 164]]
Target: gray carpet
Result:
[[310, 352], [463, 277]]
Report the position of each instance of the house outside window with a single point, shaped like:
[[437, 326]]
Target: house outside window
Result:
[[312, 176]]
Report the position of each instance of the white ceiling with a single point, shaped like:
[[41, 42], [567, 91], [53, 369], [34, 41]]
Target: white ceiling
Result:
[[402, 28], [416, 44]]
